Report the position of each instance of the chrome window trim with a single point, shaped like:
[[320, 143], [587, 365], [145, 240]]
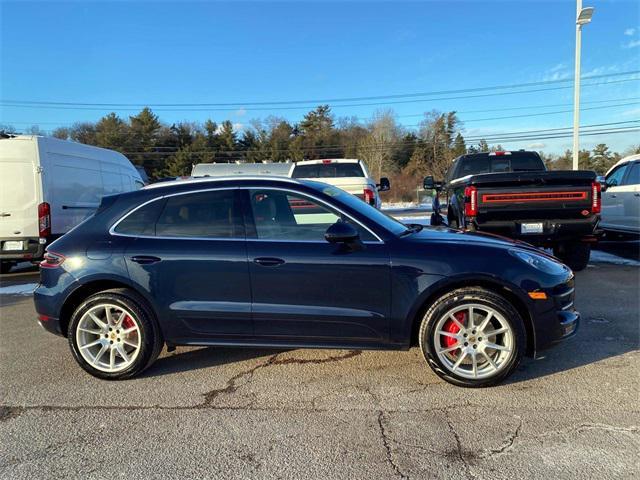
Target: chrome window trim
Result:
[[213, 189]]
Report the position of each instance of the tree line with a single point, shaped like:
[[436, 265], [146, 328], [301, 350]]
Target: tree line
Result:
[[388, 148]]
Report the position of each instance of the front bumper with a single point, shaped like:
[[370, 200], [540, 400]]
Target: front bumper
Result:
[[560, 320]]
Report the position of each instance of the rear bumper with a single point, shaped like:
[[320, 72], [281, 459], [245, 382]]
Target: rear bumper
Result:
[[32, 250], [554, 230]]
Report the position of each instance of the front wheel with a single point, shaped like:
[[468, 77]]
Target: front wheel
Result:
[[113, 335], [472, 337], [575, 254]]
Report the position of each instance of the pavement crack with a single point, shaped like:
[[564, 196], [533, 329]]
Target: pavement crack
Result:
[[507, 444], [7, 413], [459, 452], [387, 446]]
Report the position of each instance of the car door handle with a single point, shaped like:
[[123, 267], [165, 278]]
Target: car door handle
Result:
[[636, 194], [268, 261], [145, 259], [613, 195]]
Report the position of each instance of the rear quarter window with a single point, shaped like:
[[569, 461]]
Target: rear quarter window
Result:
[[141, 221]]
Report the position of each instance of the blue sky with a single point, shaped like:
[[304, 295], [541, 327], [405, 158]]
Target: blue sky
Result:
[[214, 52]]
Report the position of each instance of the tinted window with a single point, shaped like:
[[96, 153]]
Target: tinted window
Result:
[[206, 214], [615, 178], [142, 221], [328, 170], [634, 175], [280, 215], [515, 162], [523, 163]]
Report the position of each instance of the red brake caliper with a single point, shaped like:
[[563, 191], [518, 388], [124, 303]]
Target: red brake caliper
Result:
[[451, 327], [127, 322]]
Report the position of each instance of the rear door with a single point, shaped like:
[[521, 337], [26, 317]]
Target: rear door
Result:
[[630, 198], [306, 289], [20, 188], [193, 262]]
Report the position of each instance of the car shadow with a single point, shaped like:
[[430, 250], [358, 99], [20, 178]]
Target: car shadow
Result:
[[182, 360]]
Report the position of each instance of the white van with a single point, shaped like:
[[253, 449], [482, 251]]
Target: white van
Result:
[[48, 186]]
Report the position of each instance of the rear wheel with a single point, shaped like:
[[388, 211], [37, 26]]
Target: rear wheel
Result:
[[575, 254], [472, 337], [113, 335]]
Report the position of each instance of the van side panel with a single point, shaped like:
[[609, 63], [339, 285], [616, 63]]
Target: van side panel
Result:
[[20, 189]]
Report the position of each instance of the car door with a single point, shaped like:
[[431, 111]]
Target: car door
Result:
[[630, 198], [612, 207], [305, 289], [191, 258]]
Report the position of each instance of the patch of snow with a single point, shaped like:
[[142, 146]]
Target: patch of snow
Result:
[[22, 289], [598, 256]]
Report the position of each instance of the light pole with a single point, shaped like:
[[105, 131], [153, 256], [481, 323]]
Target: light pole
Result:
[[583, 16]]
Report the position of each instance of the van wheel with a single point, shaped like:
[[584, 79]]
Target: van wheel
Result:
[[575, 254], [472, 337], [113, 335]]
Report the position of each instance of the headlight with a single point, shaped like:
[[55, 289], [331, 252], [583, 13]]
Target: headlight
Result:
[[539, 262]]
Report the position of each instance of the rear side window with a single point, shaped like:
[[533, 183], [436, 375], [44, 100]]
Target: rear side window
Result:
[[142, 221], [633, 178], [202, 215], [328, 170]]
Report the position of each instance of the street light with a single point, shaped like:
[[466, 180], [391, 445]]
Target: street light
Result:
[[583, 16]]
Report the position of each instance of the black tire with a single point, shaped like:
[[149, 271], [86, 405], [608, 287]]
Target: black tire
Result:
[[151, 341], [471, 295], [5, 267], [575, 254]]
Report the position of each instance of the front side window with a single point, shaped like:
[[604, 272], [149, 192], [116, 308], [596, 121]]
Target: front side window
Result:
[[615, 178], [202, 215], [286, 216]]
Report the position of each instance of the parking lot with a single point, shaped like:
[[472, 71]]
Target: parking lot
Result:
[[220, 413]]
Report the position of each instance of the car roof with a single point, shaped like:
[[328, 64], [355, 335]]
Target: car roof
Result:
[[213, 180], [628, 159]]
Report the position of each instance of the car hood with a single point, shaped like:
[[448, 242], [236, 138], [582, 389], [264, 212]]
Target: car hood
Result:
[[449, 235]]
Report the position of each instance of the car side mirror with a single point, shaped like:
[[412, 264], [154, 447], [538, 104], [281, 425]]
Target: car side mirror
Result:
[[384, 185], [342, 232]]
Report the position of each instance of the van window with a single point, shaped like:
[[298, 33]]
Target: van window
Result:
[[142, 221], [203, 215]]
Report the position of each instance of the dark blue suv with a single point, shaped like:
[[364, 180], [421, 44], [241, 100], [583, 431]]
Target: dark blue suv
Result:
[[284, 263]]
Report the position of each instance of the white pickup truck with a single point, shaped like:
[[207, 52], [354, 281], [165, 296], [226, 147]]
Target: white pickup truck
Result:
[[348, 174]]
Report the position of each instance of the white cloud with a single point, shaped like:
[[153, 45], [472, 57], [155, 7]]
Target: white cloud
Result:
[[557, 72], [632, 44], [628, 113], [536, 146], [241, 112], [630, 32]]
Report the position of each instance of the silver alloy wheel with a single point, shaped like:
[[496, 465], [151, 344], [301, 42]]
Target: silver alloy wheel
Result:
[[108, 338], [474, 341]]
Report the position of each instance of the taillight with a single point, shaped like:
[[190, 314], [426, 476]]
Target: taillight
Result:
[[369, 196], [52, 260], [596, 199], [44, 220], [470, 201]]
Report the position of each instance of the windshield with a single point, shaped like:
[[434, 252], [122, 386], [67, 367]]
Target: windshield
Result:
[[328, 170], [363, 208]]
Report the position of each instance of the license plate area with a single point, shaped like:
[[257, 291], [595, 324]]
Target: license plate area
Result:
[[530, 228], [13, 246]]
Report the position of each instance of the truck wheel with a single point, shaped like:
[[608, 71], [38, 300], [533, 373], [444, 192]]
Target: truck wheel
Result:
[[574, 254], [472, 337]]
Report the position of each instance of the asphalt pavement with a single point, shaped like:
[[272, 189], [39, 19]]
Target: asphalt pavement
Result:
[[258, 413]]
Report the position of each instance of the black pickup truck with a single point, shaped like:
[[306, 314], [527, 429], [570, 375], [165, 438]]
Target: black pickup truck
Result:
[[512, 194]]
